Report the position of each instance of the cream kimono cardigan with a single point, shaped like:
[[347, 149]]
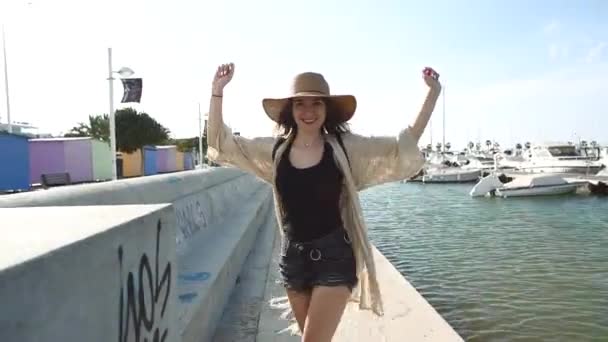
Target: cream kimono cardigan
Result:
[[373, 161]]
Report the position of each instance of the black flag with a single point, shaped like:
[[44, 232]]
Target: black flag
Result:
[[132, 88]]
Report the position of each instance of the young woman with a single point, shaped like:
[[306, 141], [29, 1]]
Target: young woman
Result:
[[315, 168]]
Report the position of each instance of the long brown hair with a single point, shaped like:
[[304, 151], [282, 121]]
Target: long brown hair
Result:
[[287, 123]]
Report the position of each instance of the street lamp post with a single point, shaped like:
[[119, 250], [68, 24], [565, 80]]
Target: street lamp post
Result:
[[200, 137], [123, 72], [8, 106]]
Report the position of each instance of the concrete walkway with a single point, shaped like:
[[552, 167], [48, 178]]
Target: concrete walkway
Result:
[[242, 313], [408, 316]]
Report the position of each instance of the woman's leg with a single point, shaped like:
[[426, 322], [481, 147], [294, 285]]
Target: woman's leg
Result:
[[299, 301], [327, 305]]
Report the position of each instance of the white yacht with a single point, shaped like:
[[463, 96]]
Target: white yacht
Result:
[[524, 185], [558, 158], [444, 167], [450, 175]]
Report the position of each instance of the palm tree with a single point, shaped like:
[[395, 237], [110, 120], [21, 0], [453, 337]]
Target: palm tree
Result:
[[478, 147], [98, 128], [528, 145], [488, 144], [471, 145], [438, 147], [518, 146], [448, 146]]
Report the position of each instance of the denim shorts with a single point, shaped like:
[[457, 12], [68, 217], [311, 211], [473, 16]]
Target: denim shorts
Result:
[[326, 261]]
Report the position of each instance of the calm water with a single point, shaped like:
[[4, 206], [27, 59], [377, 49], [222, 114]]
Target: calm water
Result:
[[499, 269]]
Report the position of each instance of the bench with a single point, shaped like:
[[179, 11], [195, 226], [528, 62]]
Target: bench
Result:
[[55, 179]]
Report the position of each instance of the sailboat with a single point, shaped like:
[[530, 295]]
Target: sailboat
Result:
[[442, 173]]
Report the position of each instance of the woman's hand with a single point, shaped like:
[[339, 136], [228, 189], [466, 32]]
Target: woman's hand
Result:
[[431, 78], [222, 77]]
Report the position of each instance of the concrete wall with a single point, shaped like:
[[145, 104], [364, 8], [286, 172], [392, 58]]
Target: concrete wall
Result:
[[88, 274], [217, 213], [200, 197]]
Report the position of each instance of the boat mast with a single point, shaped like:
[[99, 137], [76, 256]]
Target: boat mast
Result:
[[443, 95]]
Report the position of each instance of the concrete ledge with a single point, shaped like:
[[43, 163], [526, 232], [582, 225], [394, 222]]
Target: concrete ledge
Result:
[[208, 272], [408, 316], [165, 188], [199, 197], [88, 274]]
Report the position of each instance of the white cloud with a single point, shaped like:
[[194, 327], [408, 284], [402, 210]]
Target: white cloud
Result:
[[557, 51], [551, 27], [553, 51], [595, 52]]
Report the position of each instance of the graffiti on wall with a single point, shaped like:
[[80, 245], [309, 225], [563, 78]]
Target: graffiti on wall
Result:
[[192, 215], [198, 211], [144, 297]]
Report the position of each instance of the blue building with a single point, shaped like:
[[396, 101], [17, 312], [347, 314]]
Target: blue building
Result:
[[150, 155], [14, 162]]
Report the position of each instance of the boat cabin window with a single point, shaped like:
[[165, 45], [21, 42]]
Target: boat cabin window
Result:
[[540, 152], [563, 151]]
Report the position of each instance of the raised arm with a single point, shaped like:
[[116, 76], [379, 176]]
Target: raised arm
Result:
[[378, 160], [224, 148], [431, 78]]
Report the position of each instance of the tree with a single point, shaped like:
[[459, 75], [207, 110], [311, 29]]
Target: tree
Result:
[[518, 146], [448, 146], [188, 144], [471, 145], [97, 128], [133, 130]]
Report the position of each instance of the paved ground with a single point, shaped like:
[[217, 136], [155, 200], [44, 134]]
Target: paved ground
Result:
[[408, 316]]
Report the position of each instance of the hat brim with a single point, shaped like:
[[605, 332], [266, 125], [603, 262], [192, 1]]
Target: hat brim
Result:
[[344, 105]]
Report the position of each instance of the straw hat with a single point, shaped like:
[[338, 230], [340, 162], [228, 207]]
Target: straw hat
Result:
[[311, 84]]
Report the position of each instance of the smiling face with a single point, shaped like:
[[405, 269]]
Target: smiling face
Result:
[[309, 113]]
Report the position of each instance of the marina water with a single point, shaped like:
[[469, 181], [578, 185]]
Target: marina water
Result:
[[517, 269]]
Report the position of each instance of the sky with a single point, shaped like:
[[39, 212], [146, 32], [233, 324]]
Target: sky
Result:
[[512, 71]]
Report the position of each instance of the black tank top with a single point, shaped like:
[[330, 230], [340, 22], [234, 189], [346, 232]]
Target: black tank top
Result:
[[311, 196]]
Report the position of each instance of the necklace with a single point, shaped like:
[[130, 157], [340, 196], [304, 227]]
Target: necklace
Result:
[[309, 144]]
